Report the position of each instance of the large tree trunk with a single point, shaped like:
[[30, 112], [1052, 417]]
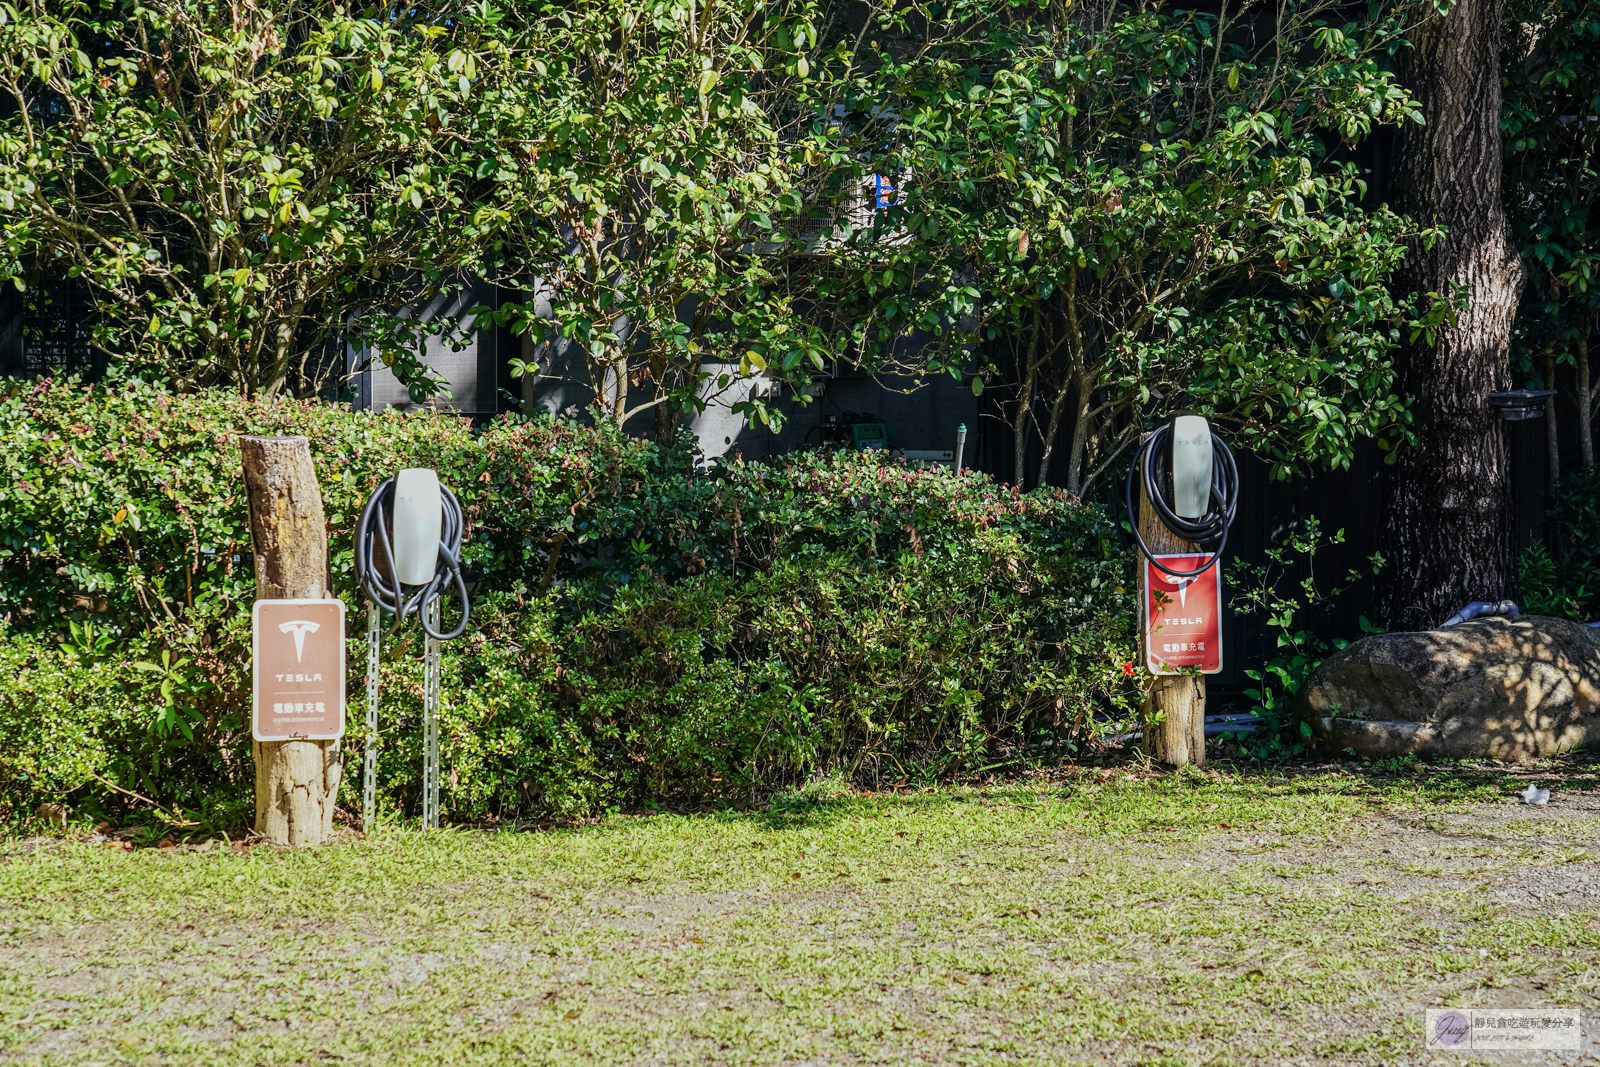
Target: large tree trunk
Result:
[[1446, 504], [297, 782]]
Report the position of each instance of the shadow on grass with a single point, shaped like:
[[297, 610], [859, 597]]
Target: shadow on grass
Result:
[[1135, 796]]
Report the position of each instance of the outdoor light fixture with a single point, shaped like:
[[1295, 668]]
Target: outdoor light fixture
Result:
[[1188, 477], [1517, 404]]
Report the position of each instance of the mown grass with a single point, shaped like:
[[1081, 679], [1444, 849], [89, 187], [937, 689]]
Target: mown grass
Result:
[[1197, 918]]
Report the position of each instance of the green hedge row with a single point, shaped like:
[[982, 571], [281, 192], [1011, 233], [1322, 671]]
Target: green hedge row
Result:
[[646, 625]]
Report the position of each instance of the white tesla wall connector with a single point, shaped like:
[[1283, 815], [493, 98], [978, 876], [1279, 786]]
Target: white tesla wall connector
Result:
[[1191, 466], [418, 523]]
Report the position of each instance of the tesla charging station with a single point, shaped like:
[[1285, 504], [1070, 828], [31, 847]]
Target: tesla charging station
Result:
[[1194, 498], [1188, 490], [408, 556]]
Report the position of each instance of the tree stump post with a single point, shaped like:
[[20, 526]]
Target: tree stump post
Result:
[[297, 782], [1180, 738]]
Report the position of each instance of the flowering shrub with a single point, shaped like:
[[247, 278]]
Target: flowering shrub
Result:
[[645, 624]]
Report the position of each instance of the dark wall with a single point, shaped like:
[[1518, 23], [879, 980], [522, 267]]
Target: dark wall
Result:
[[919, 414]]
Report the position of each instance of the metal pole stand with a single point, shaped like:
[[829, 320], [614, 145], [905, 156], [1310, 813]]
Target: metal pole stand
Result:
[[430, 725], [369, 776]]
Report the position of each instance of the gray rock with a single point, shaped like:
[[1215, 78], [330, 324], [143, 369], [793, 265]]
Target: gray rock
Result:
[[1509, 689]]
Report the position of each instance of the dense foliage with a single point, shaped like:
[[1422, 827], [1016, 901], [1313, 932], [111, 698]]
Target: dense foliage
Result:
[[645, 624], [1154, 204], [1552, 138], [1562, 577], [248, 188], [1154, 208], [663, 163]]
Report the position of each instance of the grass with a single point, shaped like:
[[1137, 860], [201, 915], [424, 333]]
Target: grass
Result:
[[1208, 918]]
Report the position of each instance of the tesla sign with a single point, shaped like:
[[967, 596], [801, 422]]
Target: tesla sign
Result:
[[298, 660], [1182, 624]]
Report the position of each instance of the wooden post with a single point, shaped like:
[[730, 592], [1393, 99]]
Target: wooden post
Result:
[[1180, 738], [297, 782]]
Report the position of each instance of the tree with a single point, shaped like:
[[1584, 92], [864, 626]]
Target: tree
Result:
[[658, 204], [244, 185], [1445, 517], [1149, 201], [1552, 72]]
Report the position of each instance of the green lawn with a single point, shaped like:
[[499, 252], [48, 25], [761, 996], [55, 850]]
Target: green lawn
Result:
[[1202, 918]]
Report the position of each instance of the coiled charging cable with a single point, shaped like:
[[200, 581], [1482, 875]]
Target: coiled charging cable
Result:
[[1210, 528], [381, 587]]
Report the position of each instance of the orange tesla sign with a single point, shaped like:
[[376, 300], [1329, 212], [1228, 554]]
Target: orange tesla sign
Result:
[[1182, 617], [298, 660]]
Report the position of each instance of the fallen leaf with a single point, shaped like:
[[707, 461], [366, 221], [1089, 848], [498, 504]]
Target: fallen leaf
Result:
[[962, 979], [573, 1014]]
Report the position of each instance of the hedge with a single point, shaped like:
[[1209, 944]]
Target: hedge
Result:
[[648, 625]]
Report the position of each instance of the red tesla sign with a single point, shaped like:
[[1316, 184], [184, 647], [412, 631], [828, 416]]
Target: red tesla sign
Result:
[[1182, 623]]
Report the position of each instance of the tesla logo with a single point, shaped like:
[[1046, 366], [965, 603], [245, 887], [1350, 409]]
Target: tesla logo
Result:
[[1183, 591], [298, 627]]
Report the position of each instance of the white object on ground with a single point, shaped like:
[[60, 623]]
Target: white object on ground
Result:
[[1536, 796]]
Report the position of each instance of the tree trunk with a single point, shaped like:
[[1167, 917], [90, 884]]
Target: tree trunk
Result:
[[297, 782], [1080, 438], [1585, 401], [1019, 423], [530, 380], [1552, 438], [1446, 501], [1051, 429], [1180, 737]]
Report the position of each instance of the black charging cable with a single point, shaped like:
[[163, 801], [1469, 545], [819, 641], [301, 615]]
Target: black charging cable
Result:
[[1212, 527], [381, 586]]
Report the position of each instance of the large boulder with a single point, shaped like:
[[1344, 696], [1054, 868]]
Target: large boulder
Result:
[[1508, 688]]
